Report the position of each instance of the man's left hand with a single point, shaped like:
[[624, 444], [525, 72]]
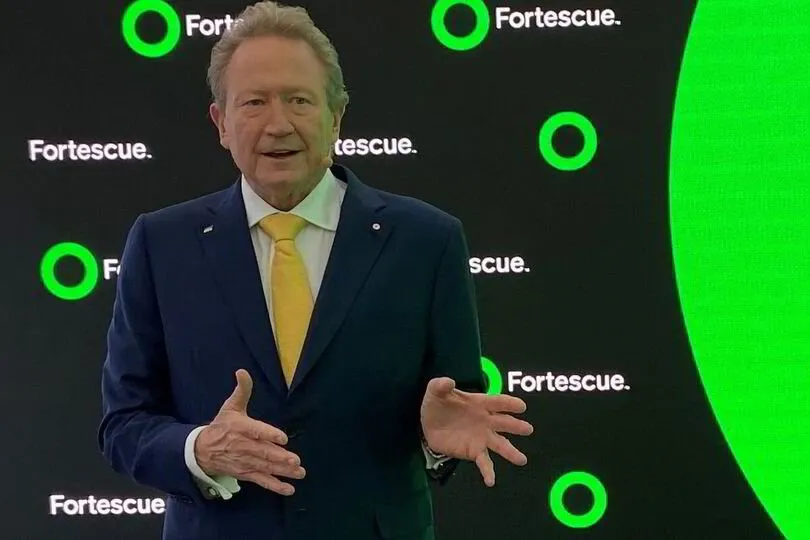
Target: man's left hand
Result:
[[467, 425]]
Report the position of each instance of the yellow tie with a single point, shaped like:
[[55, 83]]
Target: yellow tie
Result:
[[291, 294]]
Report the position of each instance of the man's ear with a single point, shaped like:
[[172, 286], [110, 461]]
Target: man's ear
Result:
[[337, 118], [218, 118]]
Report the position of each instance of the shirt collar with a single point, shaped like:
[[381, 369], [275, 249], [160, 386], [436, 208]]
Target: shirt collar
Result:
[[321, 207]]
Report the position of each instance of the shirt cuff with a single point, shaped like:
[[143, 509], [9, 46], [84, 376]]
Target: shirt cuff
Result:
[[433, 460], [212, 487]]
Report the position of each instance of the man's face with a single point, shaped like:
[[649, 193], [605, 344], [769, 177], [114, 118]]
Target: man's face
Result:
[[276, 121]]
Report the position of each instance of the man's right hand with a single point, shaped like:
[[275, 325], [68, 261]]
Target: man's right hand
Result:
[[234, 444]]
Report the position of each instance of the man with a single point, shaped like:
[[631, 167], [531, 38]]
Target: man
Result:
[[344, 316]]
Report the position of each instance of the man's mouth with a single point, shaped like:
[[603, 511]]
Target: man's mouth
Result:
[[280, 154]]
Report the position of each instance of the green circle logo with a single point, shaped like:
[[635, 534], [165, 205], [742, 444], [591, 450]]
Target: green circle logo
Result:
[[551, 126], [578, 521], [493, 375], [47, 271], [460, 43], [129, 28]]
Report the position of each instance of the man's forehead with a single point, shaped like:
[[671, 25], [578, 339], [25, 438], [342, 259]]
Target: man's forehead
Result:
[[275, 80], [270, 63], [274, 49]]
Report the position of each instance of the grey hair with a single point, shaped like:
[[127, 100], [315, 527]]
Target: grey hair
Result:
[[273, 19]]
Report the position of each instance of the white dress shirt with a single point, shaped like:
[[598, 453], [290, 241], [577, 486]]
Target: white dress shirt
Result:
[[321, 211]]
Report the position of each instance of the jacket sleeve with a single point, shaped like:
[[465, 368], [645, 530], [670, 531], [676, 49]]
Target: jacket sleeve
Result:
[[454, 340], [138, 435]]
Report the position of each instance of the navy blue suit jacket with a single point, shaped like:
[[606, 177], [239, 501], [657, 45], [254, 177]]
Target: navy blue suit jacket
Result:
[[396, 308]]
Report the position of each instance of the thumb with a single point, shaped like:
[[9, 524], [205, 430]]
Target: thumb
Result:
[[441, 386], [238, 400]]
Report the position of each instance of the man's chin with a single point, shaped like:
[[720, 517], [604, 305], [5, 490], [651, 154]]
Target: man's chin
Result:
[[278, 178]]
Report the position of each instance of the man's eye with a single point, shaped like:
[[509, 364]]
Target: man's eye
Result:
[[300, 100], [253, 102]]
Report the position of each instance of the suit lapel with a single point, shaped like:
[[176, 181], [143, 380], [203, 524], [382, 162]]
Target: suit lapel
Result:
[[360, 236], [225, 239]]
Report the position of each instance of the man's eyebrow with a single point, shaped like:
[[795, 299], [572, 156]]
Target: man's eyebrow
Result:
[[297, 90], [283, 90]]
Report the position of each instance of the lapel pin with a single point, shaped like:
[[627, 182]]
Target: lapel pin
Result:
[[376, 226], [208, 229]]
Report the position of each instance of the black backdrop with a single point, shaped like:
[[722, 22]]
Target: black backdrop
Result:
[[599, 297]]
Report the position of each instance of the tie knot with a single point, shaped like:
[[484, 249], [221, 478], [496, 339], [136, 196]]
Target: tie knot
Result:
[[282, 226]]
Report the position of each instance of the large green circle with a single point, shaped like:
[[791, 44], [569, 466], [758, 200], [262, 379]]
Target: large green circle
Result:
[[739, 212], [47, 272], [130, 32], [460, 43], [493, 374], [574, 119], [578, 521]]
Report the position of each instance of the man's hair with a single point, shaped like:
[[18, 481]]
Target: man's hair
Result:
[[273, 19]]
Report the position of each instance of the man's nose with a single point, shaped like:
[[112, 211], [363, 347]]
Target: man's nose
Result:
[[276, 121]]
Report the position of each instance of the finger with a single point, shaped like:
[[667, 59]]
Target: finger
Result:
[[504, 403], [239, 398], [270, 482], [487, 468], [261, 431], [503, 423], [504, 448], [271, 453], [441, 386], [287, 471], [249, 464]]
